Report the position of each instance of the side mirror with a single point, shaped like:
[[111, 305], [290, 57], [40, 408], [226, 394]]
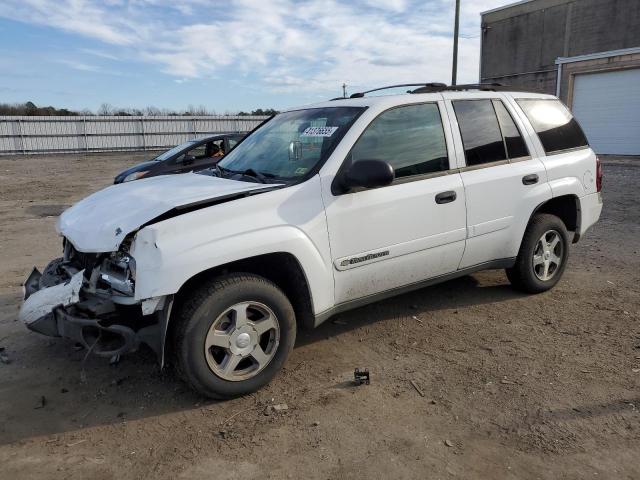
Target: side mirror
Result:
[[367, 174], [188, 159]]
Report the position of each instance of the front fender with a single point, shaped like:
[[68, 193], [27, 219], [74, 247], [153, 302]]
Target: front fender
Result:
[[162, 269]]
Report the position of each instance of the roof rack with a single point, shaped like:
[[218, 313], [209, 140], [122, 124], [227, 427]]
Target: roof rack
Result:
[[488, 87], [435, 87], [423, 85]]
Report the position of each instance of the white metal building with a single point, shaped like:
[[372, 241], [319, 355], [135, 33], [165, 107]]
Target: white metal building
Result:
[[606, 101], [587, 52]]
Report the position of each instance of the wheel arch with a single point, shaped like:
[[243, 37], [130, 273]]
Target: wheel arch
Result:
[[566, 208], [282, 268]]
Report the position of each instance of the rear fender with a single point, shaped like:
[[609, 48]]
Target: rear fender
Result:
[[567, 186]]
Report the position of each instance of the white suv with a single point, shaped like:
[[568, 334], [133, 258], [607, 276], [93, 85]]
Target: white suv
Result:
[[319, 210]]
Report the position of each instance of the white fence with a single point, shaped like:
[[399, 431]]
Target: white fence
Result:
[[19, 135]]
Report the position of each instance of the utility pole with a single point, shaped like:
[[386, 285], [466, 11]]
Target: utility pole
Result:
[[454, 69], [344, 90]]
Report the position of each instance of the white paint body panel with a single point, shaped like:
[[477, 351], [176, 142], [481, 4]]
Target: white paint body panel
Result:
[[321, 230], [290, 220], [498, 204], [423, 239], [607, 105], [590, 210], [91, 224], [43, 301], [499, 207]]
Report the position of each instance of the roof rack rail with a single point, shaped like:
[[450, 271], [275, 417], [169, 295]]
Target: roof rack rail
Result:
[[435, 87], [362, 94], [469, 86], [487, 87]]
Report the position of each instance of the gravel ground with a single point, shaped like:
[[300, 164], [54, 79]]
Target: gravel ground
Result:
[[506, 385]]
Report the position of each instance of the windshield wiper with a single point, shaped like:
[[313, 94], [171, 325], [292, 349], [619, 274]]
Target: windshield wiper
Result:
[[220, 170], [261, 177]]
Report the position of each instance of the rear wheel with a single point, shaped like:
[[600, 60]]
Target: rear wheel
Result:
[[543, 255], [233, 335]]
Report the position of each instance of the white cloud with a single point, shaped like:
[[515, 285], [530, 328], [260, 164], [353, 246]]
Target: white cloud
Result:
[[78, 16], [83, 67], [99, 53], [311, 45], [88, 67]]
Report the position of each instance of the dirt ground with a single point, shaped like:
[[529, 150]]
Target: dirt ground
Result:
[[511, 386]]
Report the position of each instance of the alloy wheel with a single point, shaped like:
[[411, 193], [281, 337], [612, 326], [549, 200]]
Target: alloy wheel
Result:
[[242, 341], [548, 254]]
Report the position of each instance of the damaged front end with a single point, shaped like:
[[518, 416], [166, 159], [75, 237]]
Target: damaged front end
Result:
[[89, 298]]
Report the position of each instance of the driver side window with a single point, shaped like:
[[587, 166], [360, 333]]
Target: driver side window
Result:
[[198, 152], [409, 138]]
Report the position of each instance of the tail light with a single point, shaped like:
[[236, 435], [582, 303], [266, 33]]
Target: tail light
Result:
[[599, 174]]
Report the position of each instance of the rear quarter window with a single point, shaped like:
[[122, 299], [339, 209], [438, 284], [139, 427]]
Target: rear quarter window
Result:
[[554, 124]]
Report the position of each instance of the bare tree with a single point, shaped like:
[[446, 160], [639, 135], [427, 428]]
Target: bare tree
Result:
[[105, 109]]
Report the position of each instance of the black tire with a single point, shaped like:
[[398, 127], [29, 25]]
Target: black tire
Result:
[[51, 276], [197, 313], [522, 275]]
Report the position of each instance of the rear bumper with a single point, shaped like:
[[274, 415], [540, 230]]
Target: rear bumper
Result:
[[590, 210]]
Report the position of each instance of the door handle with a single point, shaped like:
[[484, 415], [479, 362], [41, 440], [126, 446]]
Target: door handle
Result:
[[530, 179], [446, 197]]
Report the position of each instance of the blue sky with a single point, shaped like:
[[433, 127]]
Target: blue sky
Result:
[[227, 56]]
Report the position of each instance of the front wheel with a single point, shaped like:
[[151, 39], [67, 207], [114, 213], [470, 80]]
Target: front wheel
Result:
[[543, 255], [233, 335]]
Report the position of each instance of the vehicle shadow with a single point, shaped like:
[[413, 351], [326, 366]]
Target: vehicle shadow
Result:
[[455, 294], [51, 388]]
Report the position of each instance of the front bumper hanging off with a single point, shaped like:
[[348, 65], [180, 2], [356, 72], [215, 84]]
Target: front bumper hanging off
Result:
[[37, 310], [64, 310]]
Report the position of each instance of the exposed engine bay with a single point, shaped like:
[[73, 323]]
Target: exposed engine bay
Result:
[[88, 298]]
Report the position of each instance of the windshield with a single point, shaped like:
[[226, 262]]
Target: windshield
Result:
[[292, 143], [177, 149]]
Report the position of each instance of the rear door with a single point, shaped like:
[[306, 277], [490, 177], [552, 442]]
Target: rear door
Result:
[[504, 180], [414, 229]]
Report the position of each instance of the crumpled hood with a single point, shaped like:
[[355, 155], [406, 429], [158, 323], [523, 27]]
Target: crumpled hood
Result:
[[101, 221]]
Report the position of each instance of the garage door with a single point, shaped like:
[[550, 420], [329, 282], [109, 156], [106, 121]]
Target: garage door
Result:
[[607, 105]]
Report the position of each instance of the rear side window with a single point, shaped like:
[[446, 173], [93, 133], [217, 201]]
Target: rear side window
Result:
[[480, 131], [513, 141], [410, 138], [554, 124]]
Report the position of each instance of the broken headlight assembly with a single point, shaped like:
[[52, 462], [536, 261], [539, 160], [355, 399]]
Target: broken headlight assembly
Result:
[[118, 273]]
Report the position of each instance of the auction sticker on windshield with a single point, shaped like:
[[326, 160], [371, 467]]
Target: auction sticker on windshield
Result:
[[319, 131]]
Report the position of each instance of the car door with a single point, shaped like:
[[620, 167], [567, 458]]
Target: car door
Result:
[[504, 180], [414, 229], [190, 160], [203, 155]]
